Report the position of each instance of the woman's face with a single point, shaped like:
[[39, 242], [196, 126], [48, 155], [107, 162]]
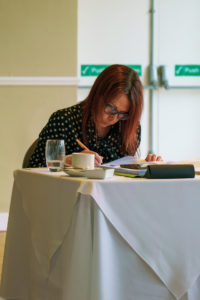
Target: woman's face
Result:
[[121, 104]]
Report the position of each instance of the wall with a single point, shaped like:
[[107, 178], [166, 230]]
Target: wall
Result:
[[118, 31], [38, 38]]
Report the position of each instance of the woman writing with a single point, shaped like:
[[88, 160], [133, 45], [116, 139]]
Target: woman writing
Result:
[[107, 121]]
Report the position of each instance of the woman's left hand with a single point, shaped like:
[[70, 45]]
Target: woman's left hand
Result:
[[153, 157]]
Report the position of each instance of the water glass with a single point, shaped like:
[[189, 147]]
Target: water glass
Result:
[[55, 155]]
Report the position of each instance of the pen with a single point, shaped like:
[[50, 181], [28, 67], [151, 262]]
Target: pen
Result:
[[81, 144]]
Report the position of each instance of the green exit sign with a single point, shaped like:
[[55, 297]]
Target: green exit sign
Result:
[[95, 70], [187, 70]]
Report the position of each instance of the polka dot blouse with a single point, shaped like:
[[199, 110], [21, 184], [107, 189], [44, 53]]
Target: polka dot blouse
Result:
[[66, 124]]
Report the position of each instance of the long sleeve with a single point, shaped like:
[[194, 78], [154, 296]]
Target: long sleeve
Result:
[[64, 124]]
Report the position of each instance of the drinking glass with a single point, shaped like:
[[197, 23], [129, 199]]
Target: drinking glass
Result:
[[55, 155]]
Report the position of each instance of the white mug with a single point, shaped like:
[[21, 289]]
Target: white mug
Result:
[[83, 161]]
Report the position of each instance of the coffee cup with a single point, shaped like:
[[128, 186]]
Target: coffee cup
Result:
[[83, 161]]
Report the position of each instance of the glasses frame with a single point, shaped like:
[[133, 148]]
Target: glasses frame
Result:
[[113, 111]]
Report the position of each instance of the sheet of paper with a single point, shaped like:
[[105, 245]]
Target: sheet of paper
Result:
[[122, 160]]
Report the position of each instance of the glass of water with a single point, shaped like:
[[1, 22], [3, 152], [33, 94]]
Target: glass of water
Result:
[[55, 155]]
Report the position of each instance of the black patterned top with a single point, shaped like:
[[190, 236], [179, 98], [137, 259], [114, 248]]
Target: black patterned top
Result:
[[66, 124]]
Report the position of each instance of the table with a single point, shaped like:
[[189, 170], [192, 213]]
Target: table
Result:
[[82, 239]]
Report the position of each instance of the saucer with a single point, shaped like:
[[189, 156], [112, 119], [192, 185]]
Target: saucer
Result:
[[74, 172]]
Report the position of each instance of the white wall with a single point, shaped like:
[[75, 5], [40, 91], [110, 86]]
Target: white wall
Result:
[[118, 31], [38, 38]]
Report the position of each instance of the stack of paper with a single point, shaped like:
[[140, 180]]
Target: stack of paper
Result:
[[125, 171]]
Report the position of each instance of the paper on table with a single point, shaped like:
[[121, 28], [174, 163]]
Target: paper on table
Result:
[[120, 161]]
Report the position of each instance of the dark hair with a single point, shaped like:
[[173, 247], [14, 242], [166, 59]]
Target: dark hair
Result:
[[113, 81]]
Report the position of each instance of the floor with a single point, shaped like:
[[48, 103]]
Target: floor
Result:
[[2, 244]]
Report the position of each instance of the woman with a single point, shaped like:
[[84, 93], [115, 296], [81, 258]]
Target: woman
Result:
[[107, 121]]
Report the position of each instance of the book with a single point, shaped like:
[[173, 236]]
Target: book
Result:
[[126, 160]]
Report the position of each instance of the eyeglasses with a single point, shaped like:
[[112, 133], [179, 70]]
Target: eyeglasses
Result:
[[111, 110]]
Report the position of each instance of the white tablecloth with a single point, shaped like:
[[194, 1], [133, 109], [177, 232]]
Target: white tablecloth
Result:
[[80, 239]]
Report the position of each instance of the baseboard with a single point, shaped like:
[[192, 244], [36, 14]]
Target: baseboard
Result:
[[3, 221]]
